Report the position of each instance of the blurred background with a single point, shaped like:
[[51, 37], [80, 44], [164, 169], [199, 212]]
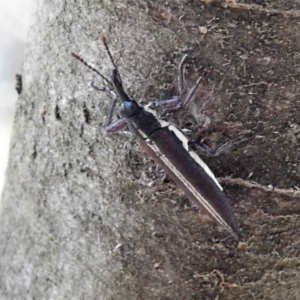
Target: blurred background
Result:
[[14, 24]]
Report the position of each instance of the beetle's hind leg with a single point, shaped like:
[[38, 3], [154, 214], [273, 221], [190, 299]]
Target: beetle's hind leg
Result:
[[207, 151]]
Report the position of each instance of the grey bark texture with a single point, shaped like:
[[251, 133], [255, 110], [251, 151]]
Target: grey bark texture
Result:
[[78, 217]]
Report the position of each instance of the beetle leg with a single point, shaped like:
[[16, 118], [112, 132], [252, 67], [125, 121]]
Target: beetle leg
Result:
[[181, 82], [207, 151], [177, 102], [116, 126], [168, 105]]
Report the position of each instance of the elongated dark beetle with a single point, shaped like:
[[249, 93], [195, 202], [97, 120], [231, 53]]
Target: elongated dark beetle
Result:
[[169, 147]]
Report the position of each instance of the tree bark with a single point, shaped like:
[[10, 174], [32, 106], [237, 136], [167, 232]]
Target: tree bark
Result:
[[79, 219]]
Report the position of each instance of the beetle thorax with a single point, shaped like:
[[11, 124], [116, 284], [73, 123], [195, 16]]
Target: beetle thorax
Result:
[[129, 109]]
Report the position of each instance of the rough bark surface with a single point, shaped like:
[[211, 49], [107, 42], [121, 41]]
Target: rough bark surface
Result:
[[78, 220]]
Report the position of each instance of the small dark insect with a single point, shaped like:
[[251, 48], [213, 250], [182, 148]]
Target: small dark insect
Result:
[[19, 83], [168, 146]]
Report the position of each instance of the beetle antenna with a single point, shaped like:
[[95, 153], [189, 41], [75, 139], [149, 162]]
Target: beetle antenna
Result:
[[90, 67], [104, 41]]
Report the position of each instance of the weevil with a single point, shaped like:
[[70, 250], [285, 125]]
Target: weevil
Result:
[[168, 146]]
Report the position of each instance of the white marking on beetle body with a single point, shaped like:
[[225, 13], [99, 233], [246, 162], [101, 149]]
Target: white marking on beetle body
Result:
[[185, 142], [203, 202]]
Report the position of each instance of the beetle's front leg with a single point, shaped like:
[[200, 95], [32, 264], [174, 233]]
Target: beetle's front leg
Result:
[[183, 99], [116, 126]]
